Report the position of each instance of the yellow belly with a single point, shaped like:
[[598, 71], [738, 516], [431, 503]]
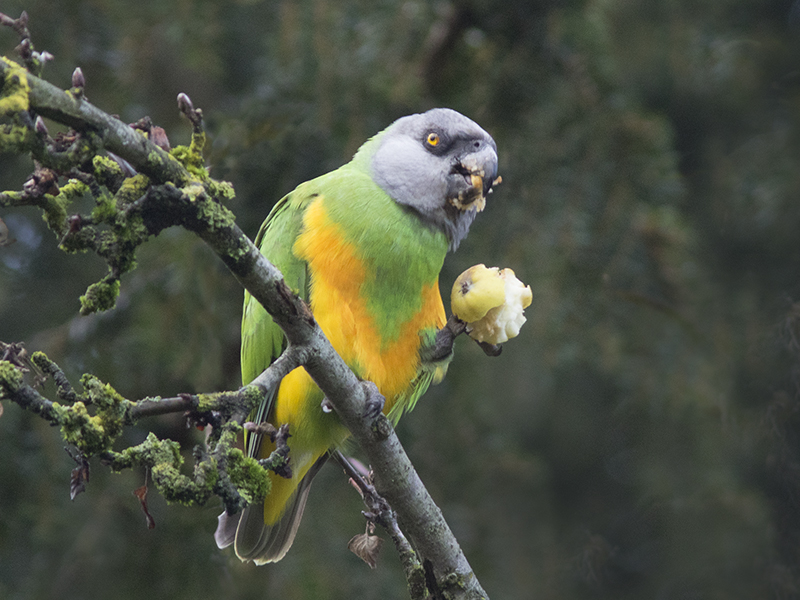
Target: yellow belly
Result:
[[337, 276]]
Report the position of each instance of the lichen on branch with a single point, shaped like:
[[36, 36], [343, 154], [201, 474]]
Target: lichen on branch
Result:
[[94, 159], [92, 421]]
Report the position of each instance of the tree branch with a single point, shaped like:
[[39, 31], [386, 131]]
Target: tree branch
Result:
[[173, 188]]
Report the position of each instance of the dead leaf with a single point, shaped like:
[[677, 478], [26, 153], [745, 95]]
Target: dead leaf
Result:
[[159, 137], [141, 494], [79, 477], [366, 547]]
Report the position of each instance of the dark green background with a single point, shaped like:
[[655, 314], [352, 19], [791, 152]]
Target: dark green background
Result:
[[638, 440]]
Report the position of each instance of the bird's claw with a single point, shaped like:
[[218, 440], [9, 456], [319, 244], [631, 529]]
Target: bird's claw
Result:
[[375, 401]]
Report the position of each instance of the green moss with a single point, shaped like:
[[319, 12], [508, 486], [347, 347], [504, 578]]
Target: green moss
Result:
[[148, 453], [107, 172], [112, 407], [154, 159], [72, 189], [15, 89], [221, 190], [106, 210], [14, 138], [254, 395], [11, 379], [55, 207], [191, 159], [131, 232], [164, 459], [198, 144], [55, 214], [10, 198], [104, 167], [249, 477], [228, 402], [92, 434], [14, 99], [176, 487], [83, 430], [217, 216], [132, 189], [100, 296], [207, 402]]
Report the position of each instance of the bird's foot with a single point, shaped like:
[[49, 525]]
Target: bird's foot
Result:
[[375, 401]]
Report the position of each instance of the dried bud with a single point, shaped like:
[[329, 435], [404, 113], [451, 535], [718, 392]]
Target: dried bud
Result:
[[491, 301], [159, 137]]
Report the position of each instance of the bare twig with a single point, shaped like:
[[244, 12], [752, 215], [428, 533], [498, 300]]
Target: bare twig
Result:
[[34, 61], [380, 512], [278, 460]]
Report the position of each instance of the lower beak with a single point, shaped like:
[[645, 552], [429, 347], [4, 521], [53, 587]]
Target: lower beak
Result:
[[475, 195]]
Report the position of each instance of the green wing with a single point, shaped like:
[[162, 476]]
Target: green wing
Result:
[[262, 339]]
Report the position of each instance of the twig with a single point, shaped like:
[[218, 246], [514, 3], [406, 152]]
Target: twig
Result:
[[64, 387], [380, 512], [278, 460], [34, 61]]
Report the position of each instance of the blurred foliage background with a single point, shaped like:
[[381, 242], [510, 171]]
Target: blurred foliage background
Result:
[[641, 439]]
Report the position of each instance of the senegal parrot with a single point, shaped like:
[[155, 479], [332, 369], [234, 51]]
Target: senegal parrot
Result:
[[363, 245]]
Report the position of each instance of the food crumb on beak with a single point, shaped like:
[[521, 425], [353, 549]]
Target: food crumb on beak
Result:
[[475, 195]]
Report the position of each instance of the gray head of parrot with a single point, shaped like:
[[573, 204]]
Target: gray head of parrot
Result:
[[439, 164]]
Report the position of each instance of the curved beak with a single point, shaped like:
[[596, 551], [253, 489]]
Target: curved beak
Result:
[[474, 175]]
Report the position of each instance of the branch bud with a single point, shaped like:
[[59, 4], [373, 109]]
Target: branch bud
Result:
[[40, 127], [195, 115], [78, 82], [24, 48], [185, 104]]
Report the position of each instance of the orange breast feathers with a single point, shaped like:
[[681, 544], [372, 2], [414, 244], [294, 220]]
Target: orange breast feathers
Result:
[[338, 275]]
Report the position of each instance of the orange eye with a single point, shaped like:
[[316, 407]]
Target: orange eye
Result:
[[432, 139]]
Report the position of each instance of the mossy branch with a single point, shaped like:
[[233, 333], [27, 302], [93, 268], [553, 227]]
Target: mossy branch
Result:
[[140, 187], [93, 421]]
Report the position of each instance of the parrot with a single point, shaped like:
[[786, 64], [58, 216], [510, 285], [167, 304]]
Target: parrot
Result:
[[363, 245]]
